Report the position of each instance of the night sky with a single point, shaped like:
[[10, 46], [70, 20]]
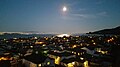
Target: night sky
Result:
[[47, 15]]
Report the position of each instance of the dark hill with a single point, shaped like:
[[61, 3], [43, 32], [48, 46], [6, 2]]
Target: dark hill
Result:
[[115, 31]]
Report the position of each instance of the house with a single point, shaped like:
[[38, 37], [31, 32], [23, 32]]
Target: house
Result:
[[58, 56], [37, 60], [72, 62], [77, 51]]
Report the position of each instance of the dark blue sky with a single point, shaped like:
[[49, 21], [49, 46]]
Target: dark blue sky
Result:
[[47, 15]]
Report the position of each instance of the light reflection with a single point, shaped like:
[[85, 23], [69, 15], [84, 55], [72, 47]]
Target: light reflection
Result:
[[62, 35]]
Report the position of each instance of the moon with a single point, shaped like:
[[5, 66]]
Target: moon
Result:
[[64, 9]]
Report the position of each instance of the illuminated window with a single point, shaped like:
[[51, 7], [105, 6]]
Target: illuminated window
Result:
[[78, 53], [86, 64], [36, 52], [74, 52], [81, 58], [48, 63], [70, 65], [73, 63], [31, 46], [94, 43], [57, 60], [39, 65]]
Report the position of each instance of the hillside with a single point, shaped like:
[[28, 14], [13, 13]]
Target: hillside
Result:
[[115, 31]]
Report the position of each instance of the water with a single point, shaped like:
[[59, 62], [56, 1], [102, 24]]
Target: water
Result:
[[9, 36]]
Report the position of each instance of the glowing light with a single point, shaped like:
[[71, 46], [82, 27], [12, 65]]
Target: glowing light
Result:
[[14, 38], [39, 42], [81, 58], [94, 43], [57, 60], [3, 58], [62, 35], [35, 37], [112, 38], [64, 9], [78, 53], [73, 63], [44, 45], [74, 46], [39, 65], [31, 46], [36, 52], [108, 41], [70, 65], [86, 64], [48, 63]]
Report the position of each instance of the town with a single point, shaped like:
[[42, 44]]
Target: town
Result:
[[60, 51]]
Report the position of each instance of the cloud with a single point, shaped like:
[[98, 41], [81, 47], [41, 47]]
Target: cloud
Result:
[[93, 15], [104, 13], [84, 15], [79, 10]]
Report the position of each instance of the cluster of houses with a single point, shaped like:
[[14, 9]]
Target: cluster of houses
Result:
[[66, 51]]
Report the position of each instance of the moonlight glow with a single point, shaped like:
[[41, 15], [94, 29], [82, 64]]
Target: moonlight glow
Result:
[[62, 35], [64, 9]]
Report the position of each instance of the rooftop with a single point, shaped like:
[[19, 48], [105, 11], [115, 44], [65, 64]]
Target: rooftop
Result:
[[36, 58]]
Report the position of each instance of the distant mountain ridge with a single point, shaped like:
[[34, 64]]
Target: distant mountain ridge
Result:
[[115, 31]]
